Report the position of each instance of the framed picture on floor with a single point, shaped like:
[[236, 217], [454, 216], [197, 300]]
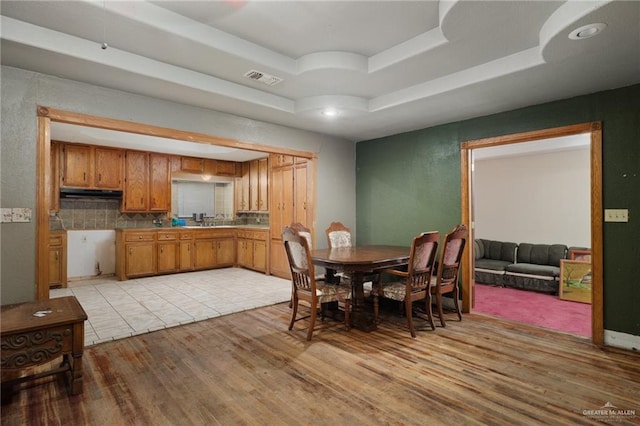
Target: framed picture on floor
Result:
[[575, 280], [579, 254]]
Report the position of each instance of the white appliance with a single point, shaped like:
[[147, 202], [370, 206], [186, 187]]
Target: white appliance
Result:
[[90, 253]]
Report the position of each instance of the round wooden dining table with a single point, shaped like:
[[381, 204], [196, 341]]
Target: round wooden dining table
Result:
[[360, 262]]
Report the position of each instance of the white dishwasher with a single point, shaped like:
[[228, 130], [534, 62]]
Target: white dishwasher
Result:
[[90, 253]]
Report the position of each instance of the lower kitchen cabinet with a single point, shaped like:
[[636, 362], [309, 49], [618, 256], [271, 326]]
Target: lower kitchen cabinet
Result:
[[164, 251], [168, 249], [185, 252], [140, 259], [252, 250], [57, 259], [214, 248]]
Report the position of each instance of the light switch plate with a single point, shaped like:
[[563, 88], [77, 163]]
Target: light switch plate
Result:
[[6, 215], [616, 215]]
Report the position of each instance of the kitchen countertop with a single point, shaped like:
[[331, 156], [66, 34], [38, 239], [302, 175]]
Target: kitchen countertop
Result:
[[161, 228]]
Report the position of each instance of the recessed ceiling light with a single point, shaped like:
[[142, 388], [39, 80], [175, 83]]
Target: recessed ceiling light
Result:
[[330, 112], [587, 31]]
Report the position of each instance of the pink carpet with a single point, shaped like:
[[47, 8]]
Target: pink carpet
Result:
[[533, 308]]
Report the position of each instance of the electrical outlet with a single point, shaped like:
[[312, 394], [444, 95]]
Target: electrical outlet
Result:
[[616, 215]]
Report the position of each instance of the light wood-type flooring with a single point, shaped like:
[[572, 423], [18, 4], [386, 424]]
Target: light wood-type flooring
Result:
[[248, 369]]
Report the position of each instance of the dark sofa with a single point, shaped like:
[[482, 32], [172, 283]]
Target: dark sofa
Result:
[[526, 266], [537, 267], [491, 259]]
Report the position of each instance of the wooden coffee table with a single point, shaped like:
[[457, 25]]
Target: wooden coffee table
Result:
[[35, 333]]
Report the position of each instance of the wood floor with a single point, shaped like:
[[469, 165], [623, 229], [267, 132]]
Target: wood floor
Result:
[[247, 369]]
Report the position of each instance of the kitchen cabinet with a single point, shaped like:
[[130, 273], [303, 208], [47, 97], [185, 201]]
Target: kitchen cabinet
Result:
[[136, 188], [147, 182], [159, 183], [191, 164], [290, 203], [57, 259], [252, 249], [136, 256], [258, 185], [85, 166], [168, 250], [219, 167], [185, 251], [214, 248], [242, 189]]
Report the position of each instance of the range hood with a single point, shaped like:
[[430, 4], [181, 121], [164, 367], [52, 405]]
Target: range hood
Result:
[[90, 193]]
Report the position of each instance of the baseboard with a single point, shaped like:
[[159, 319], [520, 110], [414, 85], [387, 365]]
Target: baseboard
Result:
[[622, 340]]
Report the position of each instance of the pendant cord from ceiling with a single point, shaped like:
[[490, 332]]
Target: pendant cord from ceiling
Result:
[[104, 25]]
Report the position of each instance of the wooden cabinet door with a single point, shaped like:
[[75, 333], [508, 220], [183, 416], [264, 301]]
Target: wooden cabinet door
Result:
[[225, 252], [141, 259], [204, 254], [58, 259], [282, 213], [242, 259], [159, 183], [55, 266], [167, 257], [263, 182], [186, 258], [278, 260], [136, 190], [300, 196], [260, 255], [254, 187], [245, 188], [108, 168], [191, 164], [76, 166]]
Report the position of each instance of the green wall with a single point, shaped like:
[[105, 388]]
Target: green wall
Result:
[[409, 183]]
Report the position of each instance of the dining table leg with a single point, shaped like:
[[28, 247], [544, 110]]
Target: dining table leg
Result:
[[361, 318]]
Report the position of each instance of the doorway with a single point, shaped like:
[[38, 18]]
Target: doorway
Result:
[[594, 130]]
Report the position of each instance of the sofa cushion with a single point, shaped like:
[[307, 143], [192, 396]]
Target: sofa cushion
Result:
[[541, 254], [499, 250], [533, 269], [497, 265], [478, 249]]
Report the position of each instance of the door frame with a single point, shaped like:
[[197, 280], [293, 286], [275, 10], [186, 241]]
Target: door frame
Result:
[[46, 115], [595, 131]]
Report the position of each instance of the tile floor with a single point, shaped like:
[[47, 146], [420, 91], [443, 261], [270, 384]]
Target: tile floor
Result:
[[119, 309]]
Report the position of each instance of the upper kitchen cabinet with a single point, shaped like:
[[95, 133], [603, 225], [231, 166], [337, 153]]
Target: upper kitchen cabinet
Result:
[[147, 182], [159, 183], [191, 164], [92, 167], [258, 185]]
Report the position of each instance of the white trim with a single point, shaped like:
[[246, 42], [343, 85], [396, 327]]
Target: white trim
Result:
[[490, 271], [539, 277], [622, 340]]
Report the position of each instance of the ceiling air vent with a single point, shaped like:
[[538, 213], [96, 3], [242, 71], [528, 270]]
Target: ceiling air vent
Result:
[[268, 79]]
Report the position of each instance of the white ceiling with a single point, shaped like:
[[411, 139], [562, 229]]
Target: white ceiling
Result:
[[385, 66]]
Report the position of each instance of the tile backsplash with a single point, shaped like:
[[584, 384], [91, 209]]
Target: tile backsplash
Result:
[[105, 214]]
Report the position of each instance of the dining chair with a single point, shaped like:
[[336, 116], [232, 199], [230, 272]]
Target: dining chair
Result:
[[445, 280], [338, 236], [413, 284], [304, 285]]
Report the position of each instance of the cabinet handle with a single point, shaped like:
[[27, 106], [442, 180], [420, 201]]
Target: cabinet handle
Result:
[[161, 249], [99, 177], [139, 237], [304, 205], [56, 255], [131, 251], [84, 176]]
